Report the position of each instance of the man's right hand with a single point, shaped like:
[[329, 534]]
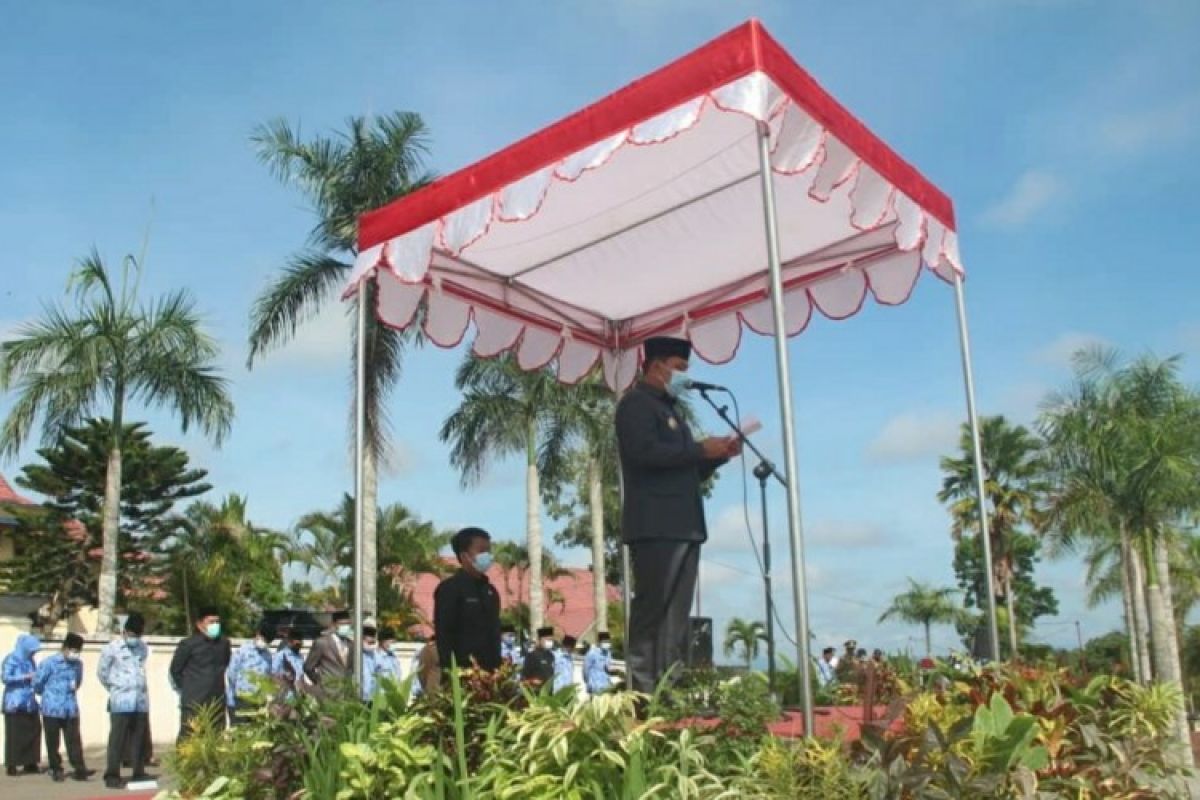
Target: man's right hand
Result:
[[715, 447]]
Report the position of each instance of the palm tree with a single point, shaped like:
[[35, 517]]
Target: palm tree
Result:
[[1123, 444], [581, 448], [924, 605], [1013, 484], [216, 553], [108, 351], [746, 636], [508, 411], [367, 166], [325, 545]]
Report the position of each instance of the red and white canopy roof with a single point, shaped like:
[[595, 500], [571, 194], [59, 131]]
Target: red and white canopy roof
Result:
[[642, 215]]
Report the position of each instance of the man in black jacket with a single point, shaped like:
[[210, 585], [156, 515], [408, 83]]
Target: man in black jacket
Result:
[[466, 607], [198, 671], [662, 469], [538, 669]]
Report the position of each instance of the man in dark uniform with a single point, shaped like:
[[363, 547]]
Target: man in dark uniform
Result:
[[662, 469], [198, 671], [538, 668], [466, 607]]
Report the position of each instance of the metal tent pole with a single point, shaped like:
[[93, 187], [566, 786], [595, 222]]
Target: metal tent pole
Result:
[[783, 374], [360, 435], [964, 342]]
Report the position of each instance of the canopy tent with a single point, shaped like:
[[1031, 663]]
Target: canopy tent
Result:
[[643, 214]]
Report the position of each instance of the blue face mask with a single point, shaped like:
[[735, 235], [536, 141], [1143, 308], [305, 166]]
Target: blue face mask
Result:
[[678, 383], [483, 562], [213, 630]]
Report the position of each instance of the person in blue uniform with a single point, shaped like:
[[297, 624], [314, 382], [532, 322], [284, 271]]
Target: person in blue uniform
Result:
[[369, 674], [122, 672], [510, 648], [243, 677], [58, 679], [564, 664], [22, 725], [287, 665], [597, 666], [388, 662]]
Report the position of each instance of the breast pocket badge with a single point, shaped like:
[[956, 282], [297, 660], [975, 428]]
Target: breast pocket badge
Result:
[[672, 423]]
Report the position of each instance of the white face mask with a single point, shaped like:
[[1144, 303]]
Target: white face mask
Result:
[[606, 646], [508, 638], [71, 655], [369, 646], [547, 644], [344, 631], [261, 643]]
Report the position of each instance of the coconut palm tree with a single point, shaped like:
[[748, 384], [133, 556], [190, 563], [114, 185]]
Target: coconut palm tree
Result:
[[342, 176], [744, 635], [581, 449], [108, 351], [507, 411], [1013, 485], [924, 605], [1124, 445]]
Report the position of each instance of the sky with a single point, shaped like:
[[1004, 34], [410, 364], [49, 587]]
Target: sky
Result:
[[1065, 131]]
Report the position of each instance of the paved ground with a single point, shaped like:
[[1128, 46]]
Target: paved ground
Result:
[[40, 787]]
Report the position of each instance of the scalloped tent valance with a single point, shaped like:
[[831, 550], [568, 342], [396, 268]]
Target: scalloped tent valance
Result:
[[641, 215]]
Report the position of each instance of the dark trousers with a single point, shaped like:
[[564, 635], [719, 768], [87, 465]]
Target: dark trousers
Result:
[[126, 727], [22, 739], [664, 583], [189, 711], [147, 746], [68, 730]]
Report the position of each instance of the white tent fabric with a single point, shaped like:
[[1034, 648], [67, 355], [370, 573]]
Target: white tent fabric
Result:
[[657, 229]]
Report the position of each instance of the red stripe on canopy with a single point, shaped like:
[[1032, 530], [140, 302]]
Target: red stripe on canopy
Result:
[[745, 49]]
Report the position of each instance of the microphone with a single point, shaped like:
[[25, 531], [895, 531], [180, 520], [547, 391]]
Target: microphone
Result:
[[701, 386]]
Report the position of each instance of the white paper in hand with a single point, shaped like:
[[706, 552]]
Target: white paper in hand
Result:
[[750, 426]]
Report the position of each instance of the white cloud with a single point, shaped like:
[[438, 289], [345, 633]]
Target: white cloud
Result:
[[1033, 192], [1135, 132], [1059, 352], [913, 436], [842, 533], [321, 342]]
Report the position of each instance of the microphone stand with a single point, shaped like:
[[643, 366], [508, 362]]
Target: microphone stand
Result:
[[763, 472]]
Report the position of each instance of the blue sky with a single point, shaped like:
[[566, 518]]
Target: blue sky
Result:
[[1066, 131]]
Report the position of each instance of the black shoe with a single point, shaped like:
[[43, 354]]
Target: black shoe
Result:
[[57, 775], [143, 776], [11, 771], [113, 783], [31, 769], [82, 774]]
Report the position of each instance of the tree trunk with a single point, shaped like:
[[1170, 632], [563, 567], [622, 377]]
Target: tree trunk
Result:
[[1171, 633], [599, 568], [110, 537], [1010, 595], [1141, 616], [370, 532], [928, 641], [1162, 624], [533, 531], [1131, 628], [187, 602]]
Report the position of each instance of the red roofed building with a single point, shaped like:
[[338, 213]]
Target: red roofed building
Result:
[[8, 497], [569, 606]]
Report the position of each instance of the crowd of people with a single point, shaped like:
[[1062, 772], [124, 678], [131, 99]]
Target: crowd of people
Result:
[[213, 679]]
